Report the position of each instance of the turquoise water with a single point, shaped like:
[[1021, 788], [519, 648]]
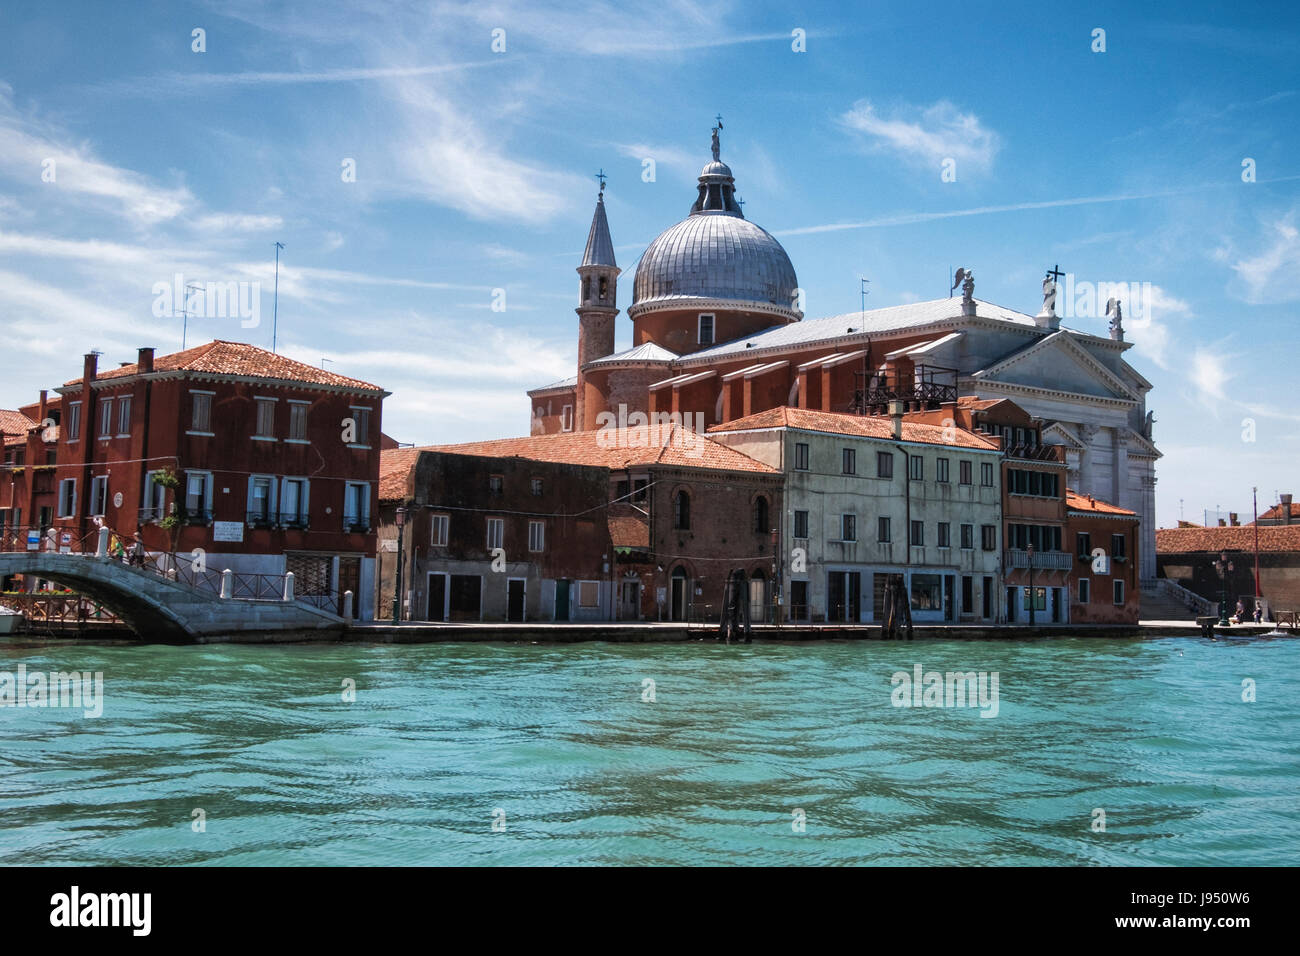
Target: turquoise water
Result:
[[737, 739]]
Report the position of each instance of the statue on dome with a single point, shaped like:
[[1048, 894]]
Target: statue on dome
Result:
[[717, 148]]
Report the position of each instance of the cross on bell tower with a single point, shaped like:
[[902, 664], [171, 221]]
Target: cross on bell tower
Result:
[[597, 308]]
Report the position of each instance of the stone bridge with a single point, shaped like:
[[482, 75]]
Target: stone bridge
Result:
[[163, 610]]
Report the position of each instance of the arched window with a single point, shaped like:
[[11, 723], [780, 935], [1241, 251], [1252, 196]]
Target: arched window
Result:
[[682, 511], [604, 287], [586, 290], [760, 516]]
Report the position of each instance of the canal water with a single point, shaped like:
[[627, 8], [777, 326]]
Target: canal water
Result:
[[761, 754]]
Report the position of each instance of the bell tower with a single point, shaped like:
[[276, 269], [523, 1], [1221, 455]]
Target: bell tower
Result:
[[597, 308]]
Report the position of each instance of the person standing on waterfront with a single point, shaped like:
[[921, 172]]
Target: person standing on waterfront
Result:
[[137, 552]]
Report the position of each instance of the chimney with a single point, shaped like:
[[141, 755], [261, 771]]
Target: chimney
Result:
[[1222, 523], [91, 367], [896, 409], [45, 407], [1286, 508], [145, 361], [1232, 519]]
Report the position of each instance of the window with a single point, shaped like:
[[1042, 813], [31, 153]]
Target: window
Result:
[[882, 529], [760, 516], [566, 418], [536, 535], [298, 421], [1118, 586], [968, 537], [884, 464], [74, 421], [682, 511], [496, 484], [588, 593], [927, 592], [265, 418], [604, 286], [967, 594], [294, 503], [438, 525], [536, 485], [1083, 544], [155, 498], [706, 329], [1119, 546], [941, 470], [918, 534], [68, 498], [915, 467], [945, 535], [639, 486], [848, 527], [201, 412], [849, 461], [989, 537], [800, 456], [198, 495], [356, 506], [261, 506], [963, 472], [1085, 590], [361, 423], [106, 418], [986, 474], [801, 524], [496, 530], [124, 416], [99, 495]]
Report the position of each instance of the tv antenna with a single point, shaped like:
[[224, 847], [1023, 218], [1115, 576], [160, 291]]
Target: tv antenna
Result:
[[275, 308]]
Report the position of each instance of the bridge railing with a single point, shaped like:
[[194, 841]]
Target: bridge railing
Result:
[[188, 568]]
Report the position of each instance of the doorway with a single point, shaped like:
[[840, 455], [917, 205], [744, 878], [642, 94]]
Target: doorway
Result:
[[629, 601], [844, 596], [679, 594], [466, 600], [516, 589], [436, 607], [562, 599], [758, 598]]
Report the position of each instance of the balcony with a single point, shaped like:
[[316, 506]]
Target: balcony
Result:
[[1038, 560]]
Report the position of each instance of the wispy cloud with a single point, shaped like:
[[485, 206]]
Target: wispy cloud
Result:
[[1268, 276], [928, 135]]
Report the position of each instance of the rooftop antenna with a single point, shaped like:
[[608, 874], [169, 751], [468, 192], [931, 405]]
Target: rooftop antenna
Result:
[[185, 311], [275, 308], [323, 360]]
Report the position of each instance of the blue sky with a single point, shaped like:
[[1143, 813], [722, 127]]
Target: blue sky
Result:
[[473, 172]]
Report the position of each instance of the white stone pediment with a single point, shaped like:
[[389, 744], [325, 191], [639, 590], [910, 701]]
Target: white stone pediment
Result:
[[1060, 364]]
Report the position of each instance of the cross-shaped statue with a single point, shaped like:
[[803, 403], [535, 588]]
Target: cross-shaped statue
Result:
[[1055, 272], [719, 119], [600, 177]]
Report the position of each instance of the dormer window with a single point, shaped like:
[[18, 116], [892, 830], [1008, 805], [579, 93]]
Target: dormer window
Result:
[[706, 328]]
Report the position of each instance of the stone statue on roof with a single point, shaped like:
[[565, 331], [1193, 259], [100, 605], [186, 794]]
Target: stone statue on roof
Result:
[[717, 147]]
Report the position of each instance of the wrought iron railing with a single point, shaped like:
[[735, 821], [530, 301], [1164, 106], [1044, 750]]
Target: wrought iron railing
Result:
[[1046, 560]]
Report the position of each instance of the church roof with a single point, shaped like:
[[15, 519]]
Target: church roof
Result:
[[857, 326], [649, 352], [600, 247]]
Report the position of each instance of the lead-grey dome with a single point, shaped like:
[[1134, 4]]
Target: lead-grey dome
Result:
[[715, 256]]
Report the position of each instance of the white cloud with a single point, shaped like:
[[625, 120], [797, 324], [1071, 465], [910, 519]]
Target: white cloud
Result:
[[927, 135], [1268, 276], [1209, 374], [238, 222]]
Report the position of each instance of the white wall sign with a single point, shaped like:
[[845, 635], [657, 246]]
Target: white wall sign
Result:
[[227, 531]]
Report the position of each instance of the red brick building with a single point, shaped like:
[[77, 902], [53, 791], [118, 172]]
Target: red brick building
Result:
[[1187, 556], [1104, 584], [263, 463], [646, 523]]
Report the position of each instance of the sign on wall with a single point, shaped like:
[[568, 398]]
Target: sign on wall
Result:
[[227, 531]]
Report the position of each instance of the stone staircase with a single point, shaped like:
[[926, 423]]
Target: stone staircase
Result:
[[1159, 605]]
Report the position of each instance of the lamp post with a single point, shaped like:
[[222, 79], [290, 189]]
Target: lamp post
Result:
[[1224, 567], [1033, 598], [399, 518]]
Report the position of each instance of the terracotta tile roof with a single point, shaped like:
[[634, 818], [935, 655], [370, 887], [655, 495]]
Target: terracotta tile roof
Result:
[[395, 466], [628, 528], [1281, 537], [237, 358], [1275, 512], [616, 448], [15, 426], [866, 426], [1077, 502]]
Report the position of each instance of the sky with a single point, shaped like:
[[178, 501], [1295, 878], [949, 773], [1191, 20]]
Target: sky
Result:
[[430, 171]]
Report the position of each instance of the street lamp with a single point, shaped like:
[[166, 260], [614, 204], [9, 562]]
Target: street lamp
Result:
[[399, 518], [1224, 567]]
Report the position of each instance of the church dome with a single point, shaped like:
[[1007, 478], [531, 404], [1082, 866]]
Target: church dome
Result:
[[715, 258]]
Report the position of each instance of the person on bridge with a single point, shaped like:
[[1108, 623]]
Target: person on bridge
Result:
[[137, 552]]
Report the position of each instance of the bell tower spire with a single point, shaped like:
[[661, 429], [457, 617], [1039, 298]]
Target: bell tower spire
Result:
[[597, 308]]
